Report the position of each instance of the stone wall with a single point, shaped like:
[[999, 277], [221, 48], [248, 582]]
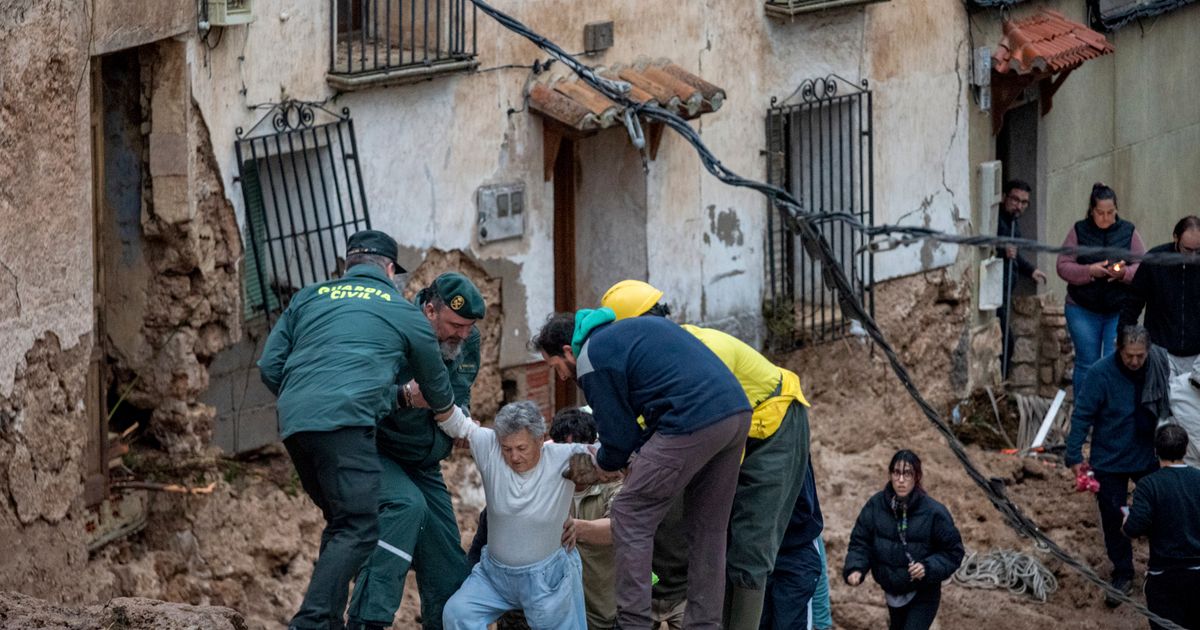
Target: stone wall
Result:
[[1042, 354]]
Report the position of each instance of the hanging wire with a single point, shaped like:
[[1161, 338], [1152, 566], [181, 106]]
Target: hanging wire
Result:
[[834, 275]]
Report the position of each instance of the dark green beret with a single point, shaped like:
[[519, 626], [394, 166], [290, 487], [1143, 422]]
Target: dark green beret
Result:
[[460, 295], [374, 242]]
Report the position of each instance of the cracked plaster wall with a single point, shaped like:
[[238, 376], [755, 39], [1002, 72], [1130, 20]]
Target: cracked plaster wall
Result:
[[45, 291]]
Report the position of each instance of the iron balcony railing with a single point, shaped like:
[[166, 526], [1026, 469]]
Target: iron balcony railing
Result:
[[378, 36]]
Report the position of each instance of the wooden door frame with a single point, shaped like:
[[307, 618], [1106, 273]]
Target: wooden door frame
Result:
[[566, 169]]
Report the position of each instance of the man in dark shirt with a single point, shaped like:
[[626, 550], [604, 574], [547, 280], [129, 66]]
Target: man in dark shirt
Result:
[[696, 418], [1111, 407], [1166, 508], [1170, 294], [1016, 200]]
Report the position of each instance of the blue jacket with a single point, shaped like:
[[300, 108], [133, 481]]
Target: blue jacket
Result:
[[651, 367], [1122, 439]]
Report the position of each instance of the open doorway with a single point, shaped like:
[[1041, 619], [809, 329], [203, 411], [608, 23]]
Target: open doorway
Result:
[[1017, 148]]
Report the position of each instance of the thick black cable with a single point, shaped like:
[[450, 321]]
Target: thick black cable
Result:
[[819, 249]]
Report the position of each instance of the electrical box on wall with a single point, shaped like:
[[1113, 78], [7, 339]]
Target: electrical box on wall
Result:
[[597, 36], [501, 212], [229, 12], [991, 190]]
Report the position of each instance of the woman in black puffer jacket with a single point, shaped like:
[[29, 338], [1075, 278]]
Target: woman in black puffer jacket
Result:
[[908, 542]]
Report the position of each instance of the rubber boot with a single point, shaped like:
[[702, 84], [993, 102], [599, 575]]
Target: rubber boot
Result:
[[743, 608]]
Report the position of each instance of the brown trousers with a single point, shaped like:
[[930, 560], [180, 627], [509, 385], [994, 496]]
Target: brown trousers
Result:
[[704, 466]]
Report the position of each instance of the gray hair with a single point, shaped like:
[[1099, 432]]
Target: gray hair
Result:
[[1133, 334], [523, 415]]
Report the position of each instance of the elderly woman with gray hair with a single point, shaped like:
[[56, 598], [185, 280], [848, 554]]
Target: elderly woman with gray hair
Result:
[[525, 564]]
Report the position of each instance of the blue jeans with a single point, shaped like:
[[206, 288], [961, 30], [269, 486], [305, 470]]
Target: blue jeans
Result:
[[1093, 334], [549, 591]]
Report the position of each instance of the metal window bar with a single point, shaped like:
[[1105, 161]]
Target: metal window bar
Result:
[[820, 150], [304, 196], [368, 36]]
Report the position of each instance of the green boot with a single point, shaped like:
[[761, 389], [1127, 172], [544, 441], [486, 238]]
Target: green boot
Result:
[[743, 608]]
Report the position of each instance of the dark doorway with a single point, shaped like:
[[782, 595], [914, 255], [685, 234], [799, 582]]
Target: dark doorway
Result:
[[1017, 148]]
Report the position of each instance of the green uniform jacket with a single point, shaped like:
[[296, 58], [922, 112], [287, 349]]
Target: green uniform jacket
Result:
[[411, 436], [334, 356]]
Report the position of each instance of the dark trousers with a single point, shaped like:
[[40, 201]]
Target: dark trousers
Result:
[[1113, 495], [1172, 594], [340, 472], [917, 614], [790, 588], [417, 529], [704, 465]]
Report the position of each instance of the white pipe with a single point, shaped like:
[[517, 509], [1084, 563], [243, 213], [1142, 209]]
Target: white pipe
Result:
[[1049, 419]]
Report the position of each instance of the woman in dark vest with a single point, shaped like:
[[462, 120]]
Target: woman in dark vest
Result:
[[908, 542], [1097, 287]]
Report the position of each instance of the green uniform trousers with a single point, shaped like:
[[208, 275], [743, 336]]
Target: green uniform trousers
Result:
[[770, 480], [340, 472], [417, 528]]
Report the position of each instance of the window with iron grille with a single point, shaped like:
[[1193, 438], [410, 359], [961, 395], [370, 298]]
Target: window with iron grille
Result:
[[375, 42], [304, 197], [820, 151]]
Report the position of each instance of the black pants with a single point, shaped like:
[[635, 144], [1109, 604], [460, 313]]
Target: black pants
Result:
[[1172, 594], [1008, 339], [1113, 494], [917, 614], [340, 472]]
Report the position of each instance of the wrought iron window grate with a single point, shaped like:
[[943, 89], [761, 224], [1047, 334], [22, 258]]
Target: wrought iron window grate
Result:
[[303, 191], [819, 150], [368, 36]]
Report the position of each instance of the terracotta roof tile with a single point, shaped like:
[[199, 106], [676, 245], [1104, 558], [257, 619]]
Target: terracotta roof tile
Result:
[[661, 83], [1047, 42]]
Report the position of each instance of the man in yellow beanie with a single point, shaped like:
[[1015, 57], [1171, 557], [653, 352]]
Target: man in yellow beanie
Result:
[[776, 458]]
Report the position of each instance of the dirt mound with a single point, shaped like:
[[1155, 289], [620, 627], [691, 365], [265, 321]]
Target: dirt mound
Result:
[[19, 611]]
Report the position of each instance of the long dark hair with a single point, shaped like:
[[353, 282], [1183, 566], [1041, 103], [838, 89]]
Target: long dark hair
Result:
[[1101, 192], [910, 458]]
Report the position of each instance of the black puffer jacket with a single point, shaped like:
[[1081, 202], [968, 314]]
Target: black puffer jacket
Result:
[[932, 539]]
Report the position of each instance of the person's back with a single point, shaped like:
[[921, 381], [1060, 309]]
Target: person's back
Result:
[[346, 343], [1166, 509], [664, 374]]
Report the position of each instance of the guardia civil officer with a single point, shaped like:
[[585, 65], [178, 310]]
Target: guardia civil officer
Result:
[[417, 526], [332, 360]]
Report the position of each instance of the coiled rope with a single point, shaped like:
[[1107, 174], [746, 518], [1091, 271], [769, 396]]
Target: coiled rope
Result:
[[1003, 568]]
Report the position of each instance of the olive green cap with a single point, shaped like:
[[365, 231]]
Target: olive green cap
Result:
[[374, 242], [460, 295]]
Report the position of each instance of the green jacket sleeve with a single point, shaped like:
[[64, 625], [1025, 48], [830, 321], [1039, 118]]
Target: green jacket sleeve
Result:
[[465, 370], [425, 360], [275, 353]]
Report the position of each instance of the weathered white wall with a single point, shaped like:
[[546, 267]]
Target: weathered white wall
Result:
[[428, 147], [46, 277]]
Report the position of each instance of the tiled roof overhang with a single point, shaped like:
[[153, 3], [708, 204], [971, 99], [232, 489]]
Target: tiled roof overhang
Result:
[[571, 108], [1044, 48]]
